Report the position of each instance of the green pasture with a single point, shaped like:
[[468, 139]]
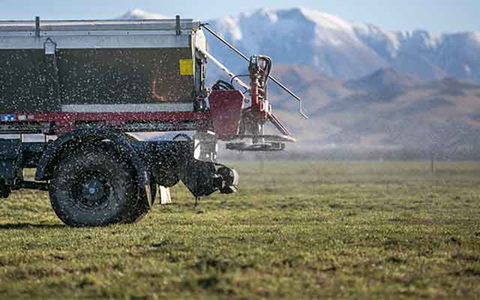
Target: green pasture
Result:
[[295, 230]]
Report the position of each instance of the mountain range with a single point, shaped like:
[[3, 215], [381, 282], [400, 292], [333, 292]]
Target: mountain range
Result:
[[340, 49], [362, 86]]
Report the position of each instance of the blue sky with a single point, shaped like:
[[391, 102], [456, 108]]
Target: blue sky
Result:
[[435, 15]]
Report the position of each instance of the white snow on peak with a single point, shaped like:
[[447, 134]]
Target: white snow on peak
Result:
[[325, 20], [375, 36], [230, 25], [294, 15], [268, 14], [326, 28], [272, 15], [429, 40], [140, 14], [331, 30]]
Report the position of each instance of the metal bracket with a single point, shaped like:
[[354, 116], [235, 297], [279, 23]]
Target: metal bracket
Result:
[[50, 47], [37, 27], [205, 147], [52, 70], [177, 25]]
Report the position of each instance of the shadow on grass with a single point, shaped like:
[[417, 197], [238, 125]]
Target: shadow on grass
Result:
[[29, 225]]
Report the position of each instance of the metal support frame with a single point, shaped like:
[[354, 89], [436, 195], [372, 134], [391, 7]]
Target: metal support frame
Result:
[[281, 85], [37, 27], [224, 68], [177, 25]]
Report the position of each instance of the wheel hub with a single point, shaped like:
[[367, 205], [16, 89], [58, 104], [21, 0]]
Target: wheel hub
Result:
[[92, 190]]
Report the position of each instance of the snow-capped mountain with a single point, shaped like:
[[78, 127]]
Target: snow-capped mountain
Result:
[[344, 50], [300, 36]]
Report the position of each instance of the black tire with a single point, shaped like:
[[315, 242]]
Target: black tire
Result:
[[94, 187]]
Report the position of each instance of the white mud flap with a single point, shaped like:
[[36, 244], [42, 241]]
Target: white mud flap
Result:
[[165, 195]]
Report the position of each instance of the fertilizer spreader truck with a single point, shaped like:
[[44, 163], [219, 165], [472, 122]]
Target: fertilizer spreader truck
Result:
[[86, 85]]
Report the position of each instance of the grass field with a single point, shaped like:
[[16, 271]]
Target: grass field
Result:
[[295, 231]]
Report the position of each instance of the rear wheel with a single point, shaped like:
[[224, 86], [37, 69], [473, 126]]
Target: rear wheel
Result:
[[95, 187]]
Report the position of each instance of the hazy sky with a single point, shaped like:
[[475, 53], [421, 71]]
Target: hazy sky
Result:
[[434, 15]]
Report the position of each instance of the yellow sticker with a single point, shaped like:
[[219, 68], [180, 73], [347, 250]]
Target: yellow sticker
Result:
[[186, 67]]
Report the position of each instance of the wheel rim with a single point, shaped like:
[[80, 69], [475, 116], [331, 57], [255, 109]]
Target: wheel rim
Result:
[[91, 190]]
